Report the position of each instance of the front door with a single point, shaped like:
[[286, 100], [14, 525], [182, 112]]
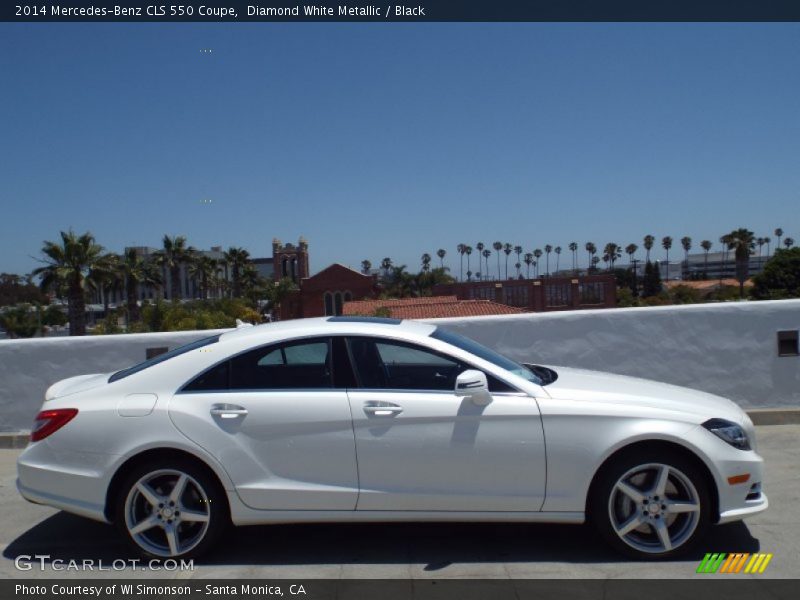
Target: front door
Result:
[[422, 448]]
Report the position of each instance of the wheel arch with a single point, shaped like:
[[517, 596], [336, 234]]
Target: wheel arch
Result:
[[662, 445], [149, 454]]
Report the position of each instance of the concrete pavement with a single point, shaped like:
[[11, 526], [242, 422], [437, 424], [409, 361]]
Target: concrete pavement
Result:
[[411, 550]]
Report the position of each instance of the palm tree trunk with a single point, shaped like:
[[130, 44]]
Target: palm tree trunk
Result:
[[77, 310], [133, 306], [175, 282]]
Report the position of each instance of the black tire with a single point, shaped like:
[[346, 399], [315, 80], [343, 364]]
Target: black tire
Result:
[[612, 510], [202, 497]]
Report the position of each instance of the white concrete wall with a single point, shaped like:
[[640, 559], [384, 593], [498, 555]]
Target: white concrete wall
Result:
[[28, 367], [728, 349]]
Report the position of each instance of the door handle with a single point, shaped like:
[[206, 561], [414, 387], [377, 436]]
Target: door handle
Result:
[[228, 411], [390, 410]]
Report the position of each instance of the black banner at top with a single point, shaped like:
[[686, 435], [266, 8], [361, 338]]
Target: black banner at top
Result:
[[410, 11]]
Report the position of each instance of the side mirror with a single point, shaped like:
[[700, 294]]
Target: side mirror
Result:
[[472, 384]]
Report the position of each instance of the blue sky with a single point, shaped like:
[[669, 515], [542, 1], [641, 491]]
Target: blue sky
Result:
[[376, 140]]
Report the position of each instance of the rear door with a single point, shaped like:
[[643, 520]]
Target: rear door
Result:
[[276, 420], [422, 448]]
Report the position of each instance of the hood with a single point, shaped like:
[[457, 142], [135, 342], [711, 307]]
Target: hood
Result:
[[72, 385], [579, 384]]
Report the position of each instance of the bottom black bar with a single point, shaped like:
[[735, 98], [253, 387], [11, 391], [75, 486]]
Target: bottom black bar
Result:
[[732, 588]]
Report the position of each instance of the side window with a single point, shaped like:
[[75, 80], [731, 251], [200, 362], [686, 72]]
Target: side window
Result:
[[304, 364], [213, 380], [387, 364]]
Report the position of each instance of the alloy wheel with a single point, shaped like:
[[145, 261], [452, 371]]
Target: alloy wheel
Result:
[[654, 508], [167, 512]]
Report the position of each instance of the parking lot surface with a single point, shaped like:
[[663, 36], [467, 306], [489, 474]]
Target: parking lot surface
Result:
[[405, 550]]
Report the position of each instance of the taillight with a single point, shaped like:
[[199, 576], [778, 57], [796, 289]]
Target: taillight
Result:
[[50, 421]]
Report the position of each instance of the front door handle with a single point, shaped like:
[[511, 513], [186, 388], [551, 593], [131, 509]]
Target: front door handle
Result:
[[228, 411], [385, 410]]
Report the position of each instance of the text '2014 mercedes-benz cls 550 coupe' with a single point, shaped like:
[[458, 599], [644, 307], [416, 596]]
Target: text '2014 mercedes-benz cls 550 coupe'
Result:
[[363, 419]]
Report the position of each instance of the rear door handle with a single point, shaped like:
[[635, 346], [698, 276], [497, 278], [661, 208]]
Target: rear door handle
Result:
[[391, 410], [228, 411]]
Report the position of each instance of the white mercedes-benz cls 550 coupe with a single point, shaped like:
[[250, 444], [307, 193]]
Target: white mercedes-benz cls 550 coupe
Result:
[[364, 419]]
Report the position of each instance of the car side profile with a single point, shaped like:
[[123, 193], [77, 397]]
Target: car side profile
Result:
[[366, 419]]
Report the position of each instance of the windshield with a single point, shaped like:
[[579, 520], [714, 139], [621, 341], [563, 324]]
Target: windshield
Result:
[[162, 357], [473, 347]]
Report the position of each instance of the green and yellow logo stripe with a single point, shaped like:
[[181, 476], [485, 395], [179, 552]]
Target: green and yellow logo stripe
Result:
[[737, 562]]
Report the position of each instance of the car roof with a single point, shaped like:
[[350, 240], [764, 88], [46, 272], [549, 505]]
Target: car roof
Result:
[[331, 326]]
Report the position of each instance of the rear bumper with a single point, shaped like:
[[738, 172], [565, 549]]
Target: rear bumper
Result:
[[71, 481], [70, 505]]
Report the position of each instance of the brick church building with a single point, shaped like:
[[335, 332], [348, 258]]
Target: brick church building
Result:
[[319, 295]]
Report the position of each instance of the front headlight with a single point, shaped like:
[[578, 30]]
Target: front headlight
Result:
[[729, 432]]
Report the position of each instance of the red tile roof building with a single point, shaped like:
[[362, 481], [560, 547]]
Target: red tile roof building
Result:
[[428, 308]]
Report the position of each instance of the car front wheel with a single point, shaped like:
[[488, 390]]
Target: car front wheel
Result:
[[172, 509], [650, 506]]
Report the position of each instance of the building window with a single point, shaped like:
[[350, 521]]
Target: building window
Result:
[[516, 295], [328, 304], [348, 296], [558, 294], [337, 303], [592, 293]]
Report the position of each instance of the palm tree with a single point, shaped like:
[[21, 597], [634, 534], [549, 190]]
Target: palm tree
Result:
[[135, 272], [517, 266], [649, 240], [528, 263], [706, 246], [788, 242], [537, 255], [612, 251], [557, 250], [237, 258], [760, 241], [518, 252], [507, 250], [630, 250], [666, 243], [595, 260], [573, 247], [779, 233], [441, 252], [592, 250], [479, 247], [468, 251], [204, 269], [426, 262], [104, 277], [486, 254], [386, 265], [498, 246], [461, 249], [366, 266], [469, 273], [547, 250], [742, 242], [686, 242], [767, 241], [171, 257], [724, 241], [67, 267]]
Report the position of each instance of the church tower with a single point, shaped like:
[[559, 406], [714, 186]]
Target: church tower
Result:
[[289, 260]]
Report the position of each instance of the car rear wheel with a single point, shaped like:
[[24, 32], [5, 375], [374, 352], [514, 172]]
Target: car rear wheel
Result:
[[171, 509], [650, 506]]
